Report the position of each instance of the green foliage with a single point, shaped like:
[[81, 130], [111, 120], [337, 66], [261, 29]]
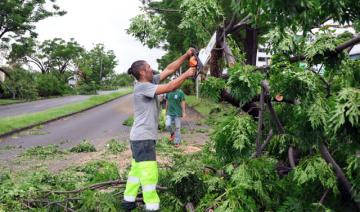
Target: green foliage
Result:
[[96, 65], [353, 173], [15, 190], [292, 81], [234, 138], [188, 87], [50, 85], [115, 147], [205, 14], [346, 109], [212, 88], [43, 152], [244, 82], [84, 146], [162, 120], [148, 29], [21, 85], [129, 121], [50, 55], [19, 17], [87, 88], [315, 170]]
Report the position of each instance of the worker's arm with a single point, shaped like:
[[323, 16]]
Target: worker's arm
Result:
[[176, 83], [172, 67], [183, 107]]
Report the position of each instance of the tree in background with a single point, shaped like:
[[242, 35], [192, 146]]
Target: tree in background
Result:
[[17, 17], [96, 64], [51, 55]]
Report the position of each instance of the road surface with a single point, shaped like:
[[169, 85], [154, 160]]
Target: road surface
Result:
[[41, 105], [97, 125]]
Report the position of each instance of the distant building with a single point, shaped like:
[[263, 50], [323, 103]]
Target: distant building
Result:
[[355, 52], [262, 57]]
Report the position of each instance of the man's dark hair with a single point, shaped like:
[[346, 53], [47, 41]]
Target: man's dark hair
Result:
[[136, 67]]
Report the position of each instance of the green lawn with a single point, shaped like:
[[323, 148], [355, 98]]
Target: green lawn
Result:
[[10, 101], [15, 122]]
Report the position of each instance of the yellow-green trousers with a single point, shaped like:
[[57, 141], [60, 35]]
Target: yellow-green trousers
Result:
[[144, 173]]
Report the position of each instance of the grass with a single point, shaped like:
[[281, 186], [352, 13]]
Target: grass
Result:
[[43, 152], [15, 122], [84, 146], [10, 101], [115, 147], [129, 121], [215, 112]]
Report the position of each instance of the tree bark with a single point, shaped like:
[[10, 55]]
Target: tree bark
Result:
[[260, 123], [251, 44], [338, 171]]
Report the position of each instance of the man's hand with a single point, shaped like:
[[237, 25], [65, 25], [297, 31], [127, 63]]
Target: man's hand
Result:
[[190, 52], [190, 72]]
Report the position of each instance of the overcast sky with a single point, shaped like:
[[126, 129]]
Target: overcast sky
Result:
[[94, 21]]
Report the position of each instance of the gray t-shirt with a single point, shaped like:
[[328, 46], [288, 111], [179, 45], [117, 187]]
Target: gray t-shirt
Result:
[[146, 110]]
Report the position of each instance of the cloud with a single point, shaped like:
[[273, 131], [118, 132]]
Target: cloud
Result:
[[92, 21]]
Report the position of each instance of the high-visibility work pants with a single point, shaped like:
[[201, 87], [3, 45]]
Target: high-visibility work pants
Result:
[[144, 172]]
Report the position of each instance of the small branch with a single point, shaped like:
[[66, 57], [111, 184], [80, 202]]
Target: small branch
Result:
[[159, 10], [324, 196], [92, 187], [279, 126], [267, 140], [291, 157]]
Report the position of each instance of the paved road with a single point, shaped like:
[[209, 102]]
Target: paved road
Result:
[[98, 125], [40, 105]]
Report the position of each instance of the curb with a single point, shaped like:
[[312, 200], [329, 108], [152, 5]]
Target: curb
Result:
[[57, 118]]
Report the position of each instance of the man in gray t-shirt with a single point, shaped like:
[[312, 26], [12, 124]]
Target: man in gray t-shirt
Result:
[[143, 133], [146, 110]]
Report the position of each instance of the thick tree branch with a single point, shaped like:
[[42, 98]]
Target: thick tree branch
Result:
[[338, 171], [324, 196], [338, 49], [245, 21], [260, 123], [5, 72]]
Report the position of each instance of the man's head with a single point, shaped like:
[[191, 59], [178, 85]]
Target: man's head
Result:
[[141, 70]]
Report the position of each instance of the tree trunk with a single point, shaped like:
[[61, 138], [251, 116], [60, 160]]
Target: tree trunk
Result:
[[251, 44]]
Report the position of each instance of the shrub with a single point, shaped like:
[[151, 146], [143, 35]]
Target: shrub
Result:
[[129, 121], [21, 85], [115, 146], [43, 152], [188, 87], [50, 85], [84, 146], [88, 89]]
